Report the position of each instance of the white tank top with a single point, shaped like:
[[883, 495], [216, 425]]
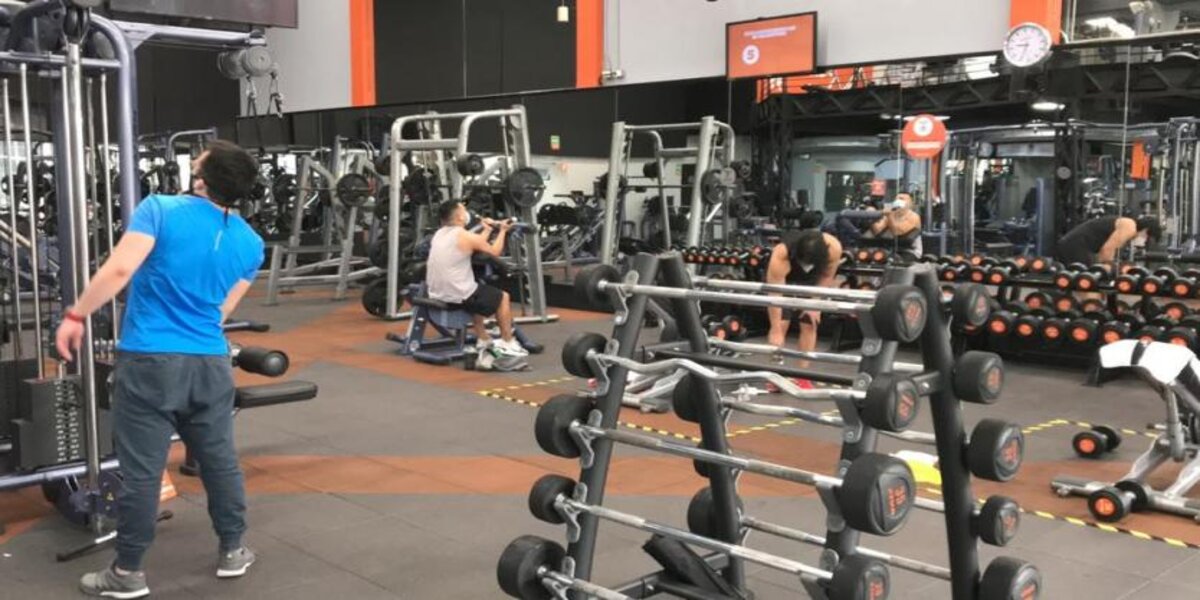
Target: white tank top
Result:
[[448, 274]]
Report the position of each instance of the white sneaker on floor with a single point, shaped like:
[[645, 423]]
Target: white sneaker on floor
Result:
[[510, 347]]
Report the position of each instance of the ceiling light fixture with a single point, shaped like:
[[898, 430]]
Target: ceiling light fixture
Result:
[[564, 13], [1047, 106]]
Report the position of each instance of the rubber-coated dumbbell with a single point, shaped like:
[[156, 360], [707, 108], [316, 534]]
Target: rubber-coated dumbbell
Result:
[[1089, 279], [1113, 503], [1039, 264], [1113, 331], [1186, 333], [1054, 329], [1065, 303], [1021, 262], [1092, 305], [1004, 322], [1039, 300], [1096, 442], [1002, 273], [1152, 285], [952, 272], [1130, 280], [1086, 329], [1184, 286], [977, 273]]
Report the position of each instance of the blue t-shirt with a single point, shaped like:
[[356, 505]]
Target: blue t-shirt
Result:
[[200, 253]]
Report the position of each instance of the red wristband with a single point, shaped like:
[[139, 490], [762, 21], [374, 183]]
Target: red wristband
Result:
[[71, 315]]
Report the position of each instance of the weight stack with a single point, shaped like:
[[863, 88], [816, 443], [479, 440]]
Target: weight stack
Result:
[[50, 428]]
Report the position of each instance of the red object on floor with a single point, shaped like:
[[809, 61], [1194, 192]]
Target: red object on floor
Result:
[[804, 384]]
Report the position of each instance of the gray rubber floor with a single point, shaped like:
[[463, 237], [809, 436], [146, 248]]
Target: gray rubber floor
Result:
[[397, 485]]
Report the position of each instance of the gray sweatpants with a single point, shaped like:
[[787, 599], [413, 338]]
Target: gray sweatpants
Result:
[[154, 396]]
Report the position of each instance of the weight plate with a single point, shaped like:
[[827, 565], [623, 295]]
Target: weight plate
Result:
[[525, 187]]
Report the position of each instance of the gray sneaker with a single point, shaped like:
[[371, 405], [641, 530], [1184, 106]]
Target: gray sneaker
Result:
[[108, 584], [235, 562]]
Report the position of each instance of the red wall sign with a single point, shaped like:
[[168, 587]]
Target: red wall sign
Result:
[[923, 137]]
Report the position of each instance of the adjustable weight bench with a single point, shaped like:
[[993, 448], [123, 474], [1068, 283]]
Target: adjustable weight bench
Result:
[[451, 324], [1174, 372]]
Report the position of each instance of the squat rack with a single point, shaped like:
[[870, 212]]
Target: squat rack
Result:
[[514, 135]]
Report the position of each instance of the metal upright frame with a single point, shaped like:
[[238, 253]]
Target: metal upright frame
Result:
[[704, 154], [514, 131]]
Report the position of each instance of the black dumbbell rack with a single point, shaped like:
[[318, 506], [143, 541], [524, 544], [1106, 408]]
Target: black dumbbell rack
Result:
[[939, 382]]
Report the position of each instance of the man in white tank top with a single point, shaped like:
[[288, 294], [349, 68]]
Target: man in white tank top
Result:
[[450, 278]]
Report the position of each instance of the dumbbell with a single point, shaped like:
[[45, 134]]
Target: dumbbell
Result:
[[1130, 280], [1039, 264], [1184, 286], [1092, 305], [862, 256], [1086, 329], [1063, 278], [1021, 262], [880, 256], [1096, 442], [1065, 303], [1027, 325], [1002, 273], [952, 272], [977, 273], [1039, 300], [1152, 285], [1170, 314], [1186, 333], [1113, 503], [1089, 279], [1054, 329], [1113, 331]]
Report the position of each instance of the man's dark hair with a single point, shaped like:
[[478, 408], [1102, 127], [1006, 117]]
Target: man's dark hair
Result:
[[1151, 226], [447, 209], [228, 171], [810, 248]]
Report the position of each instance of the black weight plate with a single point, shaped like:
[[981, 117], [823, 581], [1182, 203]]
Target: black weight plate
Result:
[[998, 520], [996, 450], [353, 189], [575, 352], [525, 187], [978, 377], [544, 494], [551, 427], [517, 571], [877, 493], [1008, 578]]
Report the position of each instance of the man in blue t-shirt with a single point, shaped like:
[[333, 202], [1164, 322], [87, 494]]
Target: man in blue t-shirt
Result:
[[187, 262]]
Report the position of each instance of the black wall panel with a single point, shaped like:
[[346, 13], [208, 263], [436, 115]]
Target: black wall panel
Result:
[[581, 118], [180, 88], [418, 50], [431, 49], [538, 51]]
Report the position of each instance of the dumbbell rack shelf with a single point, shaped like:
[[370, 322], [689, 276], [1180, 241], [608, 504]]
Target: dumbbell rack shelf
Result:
[[942, 380]]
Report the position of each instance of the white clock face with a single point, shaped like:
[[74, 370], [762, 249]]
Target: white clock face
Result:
[[1026, 45]]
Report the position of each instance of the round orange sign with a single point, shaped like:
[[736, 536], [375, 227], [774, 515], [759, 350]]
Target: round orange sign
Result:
[[923, 137]]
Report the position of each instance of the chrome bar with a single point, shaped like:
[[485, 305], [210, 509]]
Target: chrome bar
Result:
[[772, 288], [899, 562], [12, 226], [785, 385], [73, 82], [741, 299], [106, 166], [825, 357], [35, 263]]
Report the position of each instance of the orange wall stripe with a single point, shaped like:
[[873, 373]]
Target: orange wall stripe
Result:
[[362, 52], [1047, 13], [589, 42]]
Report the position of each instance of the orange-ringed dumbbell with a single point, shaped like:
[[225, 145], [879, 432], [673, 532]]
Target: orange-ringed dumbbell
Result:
[[952, 272], [1065, 303], [1113, 331], [1086, 329], [1089, 279], [1038, 300], [1054, 328], [1130, 279], [1002, 273], [1184, 286]]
